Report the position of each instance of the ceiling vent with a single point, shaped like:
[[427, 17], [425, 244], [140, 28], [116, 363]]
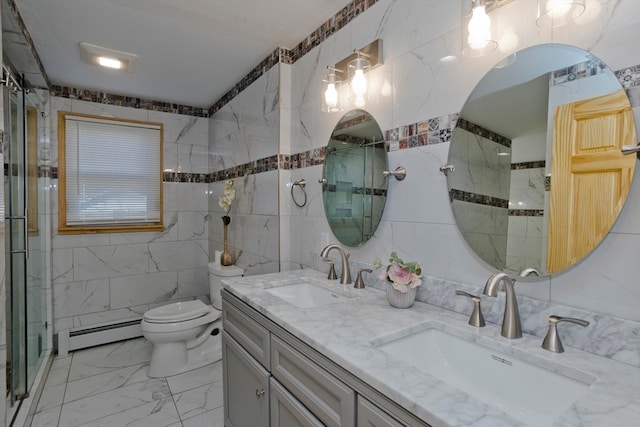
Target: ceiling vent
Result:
[[108, 58]]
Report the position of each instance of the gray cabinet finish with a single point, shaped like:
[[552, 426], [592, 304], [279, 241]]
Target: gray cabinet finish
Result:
[[302, 387], [246, 387], [253, 337], [287, 411], [369, 415], [329, 399]]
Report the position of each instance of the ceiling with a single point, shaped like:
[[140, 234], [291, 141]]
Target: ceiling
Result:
[[190, 52]]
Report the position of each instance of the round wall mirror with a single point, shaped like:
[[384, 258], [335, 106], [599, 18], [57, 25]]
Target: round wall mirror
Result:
[[539, 174], [354, 189]]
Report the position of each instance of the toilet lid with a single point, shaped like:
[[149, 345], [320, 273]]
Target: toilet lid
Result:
[[178, 311]]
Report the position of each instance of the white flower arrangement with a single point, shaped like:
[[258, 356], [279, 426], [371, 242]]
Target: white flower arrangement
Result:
[[226, 200]]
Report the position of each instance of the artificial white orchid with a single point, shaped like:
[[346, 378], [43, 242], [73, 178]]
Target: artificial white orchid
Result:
[[226, 200]]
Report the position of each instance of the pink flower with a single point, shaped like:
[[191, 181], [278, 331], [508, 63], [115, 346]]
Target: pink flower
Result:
[[400, 275], [415, 280], [383, 274]]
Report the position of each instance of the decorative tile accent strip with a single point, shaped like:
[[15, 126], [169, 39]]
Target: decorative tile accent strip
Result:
[[485, 133], [479, 199], [290, 56], [126, 101], [264, 66], [588, 68], [185, 177], [329, 27], [529, 165], [29, 40], [302, 160], [526, 212], [629, 77], [257, 166]]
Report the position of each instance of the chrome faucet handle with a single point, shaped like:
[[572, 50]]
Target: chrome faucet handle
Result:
[[476, 319], [552, 341], [359, 284], [332, 269]]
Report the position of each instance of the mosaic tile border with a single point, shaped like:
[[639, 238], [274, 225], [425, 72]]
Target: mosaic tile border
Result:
[[526, 212], [579, 71], [479, 199], [126, 101], [538, 164], [484, 133]]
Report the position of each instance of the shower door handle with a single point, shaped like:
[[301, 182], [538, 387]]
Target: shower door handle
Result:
[[25, 232]]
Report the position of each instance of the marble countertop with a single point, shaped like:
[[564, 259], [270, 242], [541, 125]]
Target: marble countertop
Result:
[[348, 330]]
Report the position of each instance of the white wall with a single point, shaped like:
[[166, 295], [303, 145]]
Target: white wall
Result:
[[417, 221]]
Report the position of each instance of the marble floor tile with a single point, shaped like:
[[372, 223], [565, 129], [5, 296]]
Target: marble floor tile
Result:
[[199, 400], [108, 386], [115, 401], [100, 383], [196, 378], [213, 418], [109, 357], [47, 417]]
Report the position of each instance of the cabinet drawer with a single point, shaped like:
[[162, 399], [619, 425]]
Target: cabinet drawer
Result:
[[369, 415], [287, 411], [251, 335], [328, 398]]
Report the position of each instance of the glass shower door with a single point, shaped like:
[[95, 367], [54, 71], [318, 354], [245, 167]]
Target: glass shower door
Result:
[[16, 245]]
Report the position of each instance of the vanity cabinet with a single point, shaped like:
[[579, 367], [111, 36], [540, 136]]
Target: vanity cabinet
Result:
[[272, 378]]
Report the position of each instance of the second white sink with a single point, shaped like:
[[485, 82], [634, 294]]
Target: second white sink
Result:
[[528, 393], [307, 295]]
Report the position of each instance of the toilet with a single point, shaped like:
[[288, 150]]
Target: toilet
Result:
[[187, 335]]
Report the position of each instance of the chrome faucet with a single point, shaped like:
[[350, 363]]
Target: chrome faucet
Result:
[[345, 275], [529, 272], [511, 321]]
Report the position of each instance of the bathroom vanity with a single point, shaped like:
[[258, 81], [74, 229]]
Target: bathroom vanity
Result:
[[302, 350]]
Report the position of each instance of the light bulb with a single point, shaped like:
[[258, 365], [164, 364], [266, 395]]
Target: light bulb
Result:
[[558, 8], [479, 28], [359, 83], [331, 95]]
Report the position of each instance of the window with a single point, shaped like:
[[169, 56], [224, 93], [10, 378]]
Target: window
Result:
[[110, 176]]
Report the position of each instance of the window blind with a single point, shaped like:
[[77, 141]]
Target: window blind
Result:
[[112, 172]]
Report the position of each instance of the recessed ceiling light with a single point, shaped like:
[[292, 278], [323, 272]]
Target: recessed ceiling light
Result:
[[109, 58]]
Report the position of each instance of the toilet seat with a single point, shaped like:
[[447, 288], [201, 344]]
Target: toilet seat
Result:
[[178, 312]]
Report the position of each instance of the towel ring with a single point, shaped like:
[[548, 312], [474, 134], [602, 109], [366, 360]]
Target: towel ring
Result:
[[301, 183]]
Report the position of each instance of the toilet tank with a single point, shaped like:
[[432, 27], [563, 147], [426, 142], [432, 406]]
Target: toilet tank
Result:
[[218, 272]]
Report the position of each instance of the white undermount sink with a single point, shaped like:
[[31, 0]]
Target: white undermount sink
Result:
[[305, 294], [526, 392]]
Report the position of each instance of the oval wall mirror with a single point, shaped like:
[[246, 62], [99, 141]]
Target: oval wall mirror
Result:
[[539, 174], [354, 189]]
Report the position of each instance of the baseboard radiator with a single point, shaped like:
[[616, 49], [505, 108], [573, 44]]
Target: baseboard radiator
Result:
[[104, 333]]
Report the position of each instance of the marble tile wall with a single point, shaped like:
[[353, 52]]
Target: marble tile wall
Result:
[[105, 277], [243, 146], [418, 222]]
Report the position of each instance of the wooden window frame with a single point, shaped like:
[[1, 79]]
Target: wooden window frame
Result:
[[63, 228]]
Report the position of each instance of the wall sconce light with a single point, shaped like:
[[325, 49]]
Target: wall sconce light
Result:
[[331, 91], [477, 30], [554, 13], [355, 66]]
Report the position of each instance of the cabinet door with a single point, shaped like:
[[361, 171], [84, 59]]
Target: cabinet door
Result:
[[246, 387], [369, 415], [287, 411]]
